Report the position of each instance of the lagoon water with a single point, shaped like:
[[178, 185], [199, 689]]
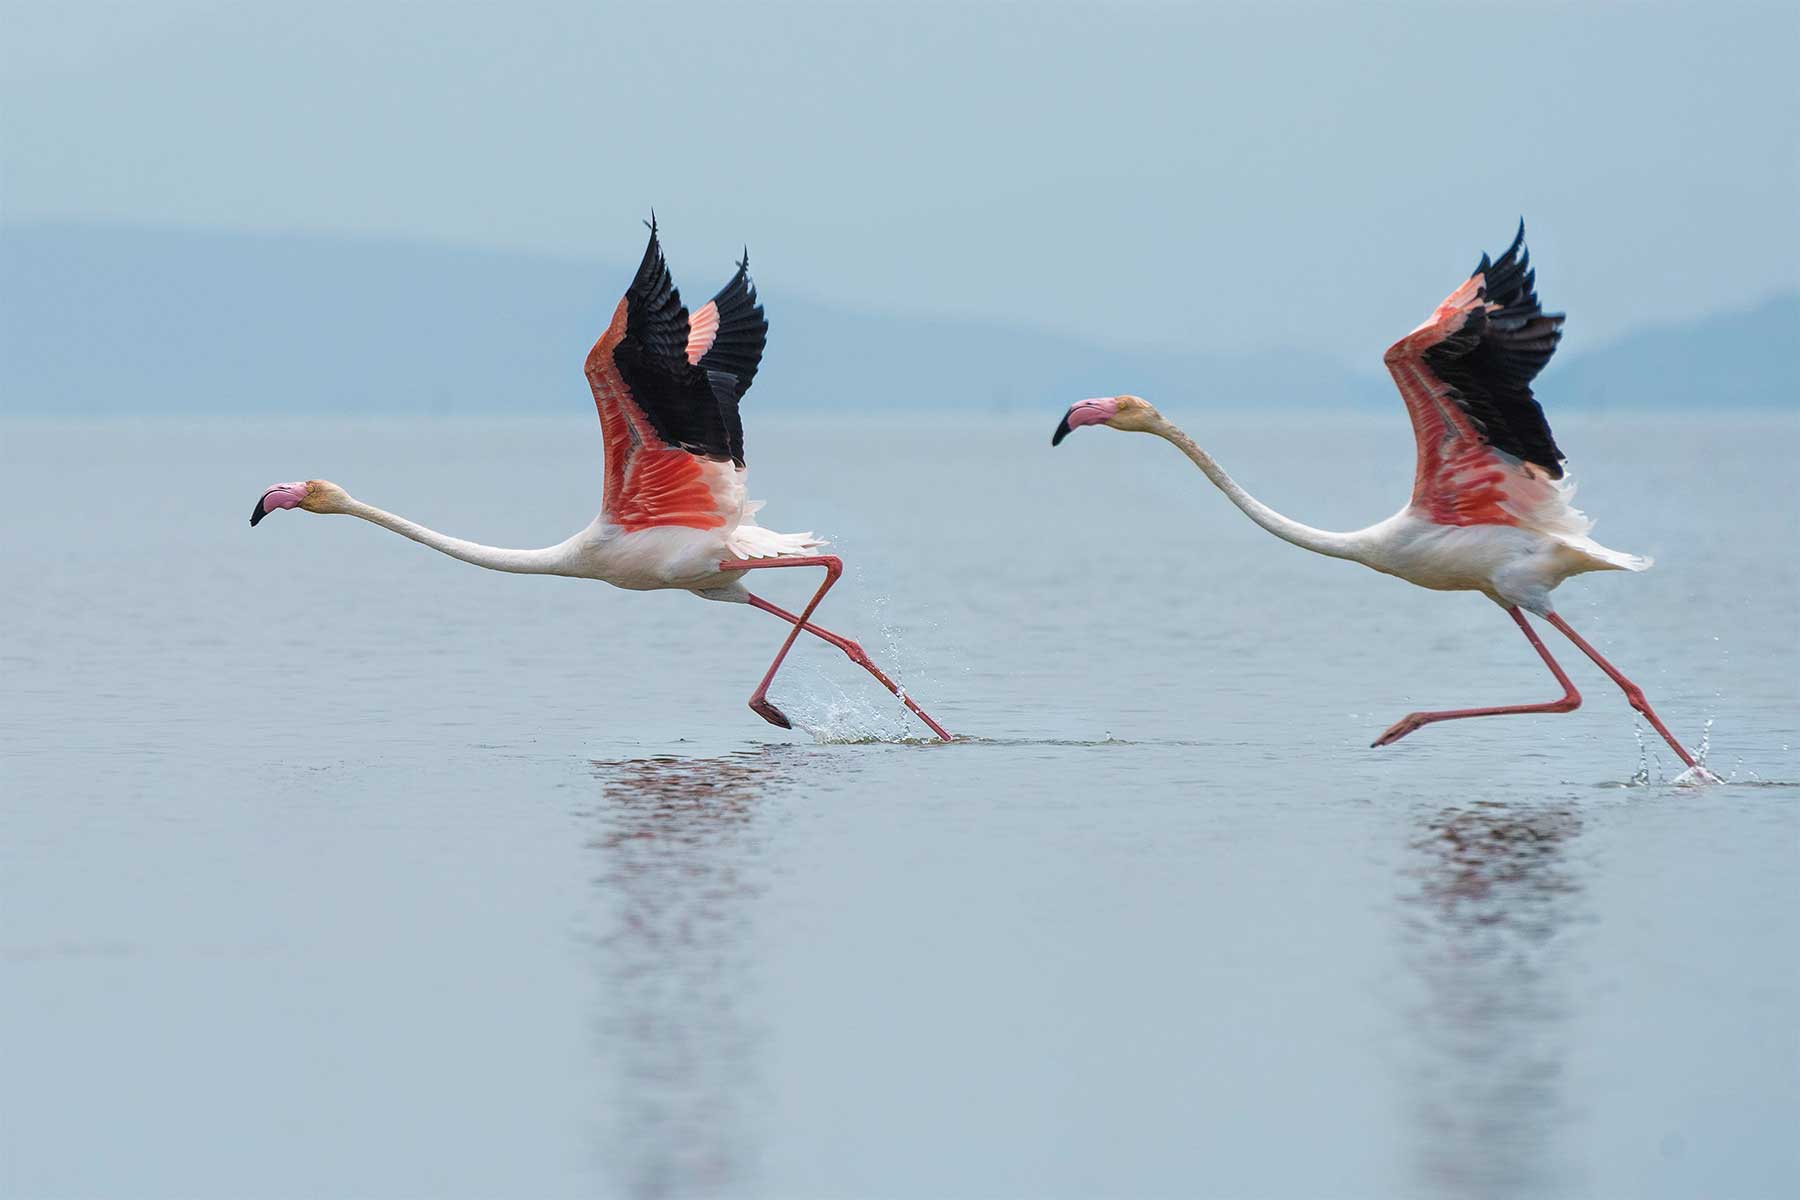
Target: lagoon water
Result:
[[331, 867]]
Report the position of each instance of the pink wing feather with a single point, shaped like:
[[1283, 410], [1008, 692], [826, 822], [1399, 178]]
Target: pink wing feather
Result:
[[1485, 452]]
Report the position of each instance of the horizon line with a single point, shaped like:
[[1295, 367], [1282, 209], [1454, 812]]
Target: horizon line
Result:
[[1359, 366]]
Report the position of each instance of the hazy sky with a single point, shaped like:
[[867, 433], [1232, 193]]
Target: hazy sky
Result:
[[1241, 176]]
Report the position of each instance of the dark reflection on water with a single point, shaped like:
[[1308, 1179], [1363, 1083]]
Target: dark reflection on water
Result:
[[1493, 895], [681, 867]]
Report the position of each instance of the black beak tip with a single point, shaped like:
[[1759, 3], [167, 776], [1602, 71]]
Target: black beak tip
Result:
[[1062, 431], [258, 513]]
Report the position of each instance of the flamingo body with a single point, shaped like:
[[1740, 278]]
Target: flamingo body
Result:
[[673, 513], [1511, 564], [1490, 509], [665, 557]]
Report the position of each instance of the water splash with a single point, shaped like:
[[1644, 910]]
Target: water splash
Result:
[[1641, 776], [1650, 766], [834, 716], [898, 659], [1698, 775], [835, 713], [895, 658]]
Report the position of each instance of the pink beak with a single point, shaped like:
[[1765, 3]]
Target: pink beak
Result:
[[1085, 412], [282, 495]]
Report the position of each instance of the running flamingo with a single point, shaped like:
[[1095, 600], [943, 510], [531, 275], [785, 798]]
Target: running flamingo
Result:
[[667, 387], [1490, 507]]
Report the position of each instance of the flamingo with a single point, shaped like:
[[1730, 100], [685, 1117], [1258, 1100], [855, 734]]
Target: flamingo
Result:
[[673, 514], [1490, 510]]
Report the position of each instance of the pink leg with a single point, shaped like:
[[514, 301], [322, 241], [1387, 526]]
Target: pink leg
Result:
[[1633, 693], [1571, 699], [857, 655], [834, 566]]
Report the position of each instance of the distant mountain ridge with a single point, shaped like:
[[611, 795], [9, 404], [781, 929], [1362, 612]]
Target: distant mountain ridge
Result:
[[1740, 359], [98, 319]]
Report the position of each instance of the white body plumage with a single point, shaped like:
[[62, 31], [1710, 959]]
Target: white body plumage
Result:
[[1511, 564]]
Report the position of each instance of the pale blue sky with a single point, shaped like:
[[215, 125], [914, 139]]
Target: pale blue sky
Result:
[[1222, 177]]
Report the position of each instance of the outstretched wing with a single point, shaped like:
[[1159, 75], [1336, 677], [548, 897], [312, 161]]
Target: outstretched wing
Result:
[[726, 338], [674, 446], [1485, 452]]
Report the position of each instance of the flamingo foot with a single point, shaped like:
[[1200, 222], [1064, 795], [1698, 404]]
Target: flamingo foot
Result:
[[761, 707], [1399, 729]]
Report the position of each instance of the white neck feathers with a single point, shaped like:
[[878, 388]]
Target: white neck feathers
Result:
[[549, 561], [1320, 541]]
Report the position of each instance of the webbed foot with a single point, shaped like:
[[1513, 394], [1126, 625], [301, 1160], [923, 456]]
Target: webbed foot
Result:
[[761, 706]]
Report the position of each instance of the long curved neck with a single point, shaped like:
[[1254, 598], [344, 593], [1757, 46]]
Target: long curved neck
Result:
[[548, 561], [1319, 541]]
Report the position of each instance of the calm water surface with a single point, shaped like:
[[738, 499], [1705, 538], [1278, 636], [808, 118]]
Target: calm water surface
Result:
[[330, 867]]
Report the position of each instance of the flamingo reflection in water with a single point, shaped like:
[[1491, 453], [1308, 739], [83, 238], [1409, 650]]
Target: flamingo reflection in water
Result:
[[1493, 898]]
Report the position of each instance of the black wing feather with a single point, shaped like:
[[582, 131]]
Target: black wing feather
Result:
[[737, 348], [736, 352], [1490, 362], [682, 401]]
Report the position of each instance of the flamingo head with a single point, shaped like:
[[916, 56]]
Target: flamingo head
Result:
[[1119, 412], [313, 495]]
